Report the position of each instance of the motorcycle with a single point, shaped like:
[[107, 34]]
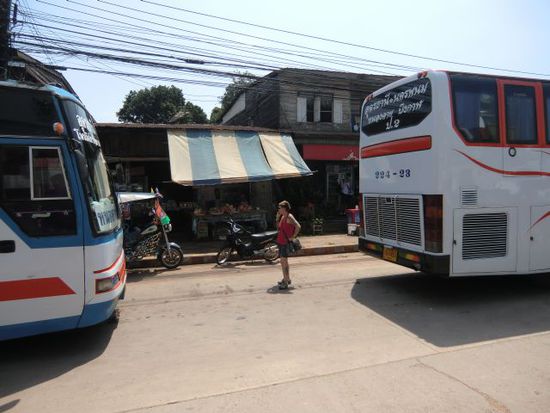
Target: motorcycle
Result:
[[152, 239], [248, 245]]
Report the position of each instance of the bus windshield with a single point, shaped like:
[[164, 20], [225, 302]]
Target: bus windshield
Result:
[[101, 200]]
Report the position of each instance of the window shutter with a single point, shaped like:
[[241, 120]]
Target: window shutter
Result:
[[301, 115], [317, 109], [338, 111]]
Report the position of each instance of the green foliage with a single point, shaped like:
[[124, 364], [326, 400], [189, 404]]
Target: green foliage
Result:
[[216, 114], [232, 91], [191, 114], [159, 104]]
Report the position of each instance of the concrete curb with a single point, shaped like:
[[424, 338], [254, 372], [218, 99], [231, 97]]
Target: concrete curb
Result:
[[208, 258]]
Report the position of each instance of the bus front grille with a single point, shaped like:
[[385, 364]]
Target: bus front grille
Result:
[[395, 218]]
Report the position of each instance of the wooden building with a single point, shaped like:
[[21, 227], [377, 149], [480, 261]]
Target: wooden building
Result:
[[24, 68], [321, 109]]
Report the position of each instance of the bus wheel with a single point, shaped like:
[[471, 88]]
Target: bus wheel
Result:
[[172, 258], [115, 317]]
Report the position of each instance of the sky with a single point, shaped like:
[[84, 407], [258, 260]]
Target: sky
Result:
[[509, 36]]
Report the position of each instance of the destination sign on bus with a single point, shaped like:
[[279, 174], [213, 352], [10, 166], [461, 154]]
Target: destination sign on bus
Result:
[[85, 130], [403, 106]]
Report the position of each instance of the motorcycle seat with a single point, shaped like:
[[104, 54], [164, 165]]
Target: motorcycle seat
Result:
[[260, 236]]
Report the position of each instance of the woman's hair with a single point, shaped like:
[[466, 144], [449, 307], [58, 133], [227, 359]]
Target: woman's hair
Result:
[[285, 204]]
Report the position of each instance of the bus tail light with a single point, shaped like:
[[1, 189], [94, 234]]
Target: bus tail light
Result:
[[433, 222], [361, 215]]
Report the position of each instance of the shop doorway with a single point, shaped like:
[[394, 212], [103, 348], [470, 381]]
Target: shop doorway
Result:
[[340, 188]]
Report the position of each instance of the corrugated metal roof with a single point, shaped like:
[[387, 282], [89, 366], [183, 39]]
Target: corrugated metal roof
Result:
[[182, 126]]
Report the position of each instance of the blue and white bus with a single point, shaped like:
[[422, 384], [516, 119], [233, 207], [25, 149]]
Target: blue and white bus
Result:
[[61, 259]]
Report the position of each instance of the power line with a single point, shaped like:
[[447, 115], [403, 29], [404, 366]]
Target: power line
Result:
[[209, 83], [171, 18], [172, 27], [234, 74], [340, 42], [244, 45]]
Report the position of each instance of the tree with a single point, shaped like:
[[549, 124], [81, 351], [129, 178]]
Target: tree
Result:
[[216, 114], [232, 91], [190, 114], [159, 104]]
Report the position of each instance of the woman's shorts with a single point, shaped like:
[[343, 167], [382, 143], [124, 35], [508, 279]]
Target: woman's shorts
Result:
[[283, 250]]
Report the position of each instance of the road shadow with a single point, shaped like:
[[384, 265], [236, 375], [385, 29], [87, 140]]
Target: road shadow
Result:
[[9, 405], [29, 361], [454, 311], [275, 290], [140, 274], [251, 263]]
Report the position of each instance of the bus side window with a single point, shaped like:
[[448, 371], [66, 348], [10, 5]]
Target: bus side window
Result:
[[38, 198], [521, 117], [48, 174], [475, 108]]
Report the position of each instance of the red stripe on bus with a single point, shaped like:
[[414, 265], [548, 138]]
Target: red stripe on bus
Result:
[[33, 288], [420, 143], [503, 171], [110, 267], [540, 219]]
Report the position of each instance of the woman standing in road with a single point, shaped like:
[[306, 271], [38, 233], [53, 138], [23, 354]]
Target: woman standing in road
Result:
[[288, 229]]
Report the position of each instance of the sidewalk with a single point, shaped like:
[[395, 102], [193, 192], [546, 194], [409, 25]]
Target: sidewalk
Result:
[[204, 252]]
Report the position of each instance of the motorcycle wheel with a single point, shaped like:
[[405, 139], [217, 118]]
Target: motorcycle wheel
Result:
[[171, 259], [271, 251], [224, 255]]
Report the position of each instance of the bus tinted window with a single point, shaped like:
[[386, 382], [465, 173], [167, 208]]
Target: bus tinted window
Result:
[[45, 213], [26, 112], [401, 107], [521, 118], [547, 111], [47, 174], [475, 108]]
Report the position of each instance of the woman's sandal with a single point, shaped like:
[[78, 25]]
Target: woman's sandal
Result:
[[283, 281]]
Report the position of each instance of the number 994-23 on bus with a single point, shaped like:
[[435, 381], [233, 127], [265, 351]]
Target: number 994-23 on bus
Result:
[[402, 173]]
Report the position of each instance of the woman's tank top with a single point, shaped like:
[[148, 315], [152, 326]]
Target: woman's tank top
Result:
[[285, 229]]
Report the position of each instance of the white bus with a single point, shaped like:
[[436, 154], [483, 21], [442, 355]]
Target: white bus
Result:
[[61, 259], [455, 174]]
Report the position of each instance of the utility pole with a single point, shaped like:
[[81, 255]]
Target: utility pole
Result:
[[5, 8]]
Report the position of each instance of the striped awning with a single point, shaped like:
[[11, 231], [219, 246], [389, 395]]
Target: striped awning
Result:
[[211, 157]]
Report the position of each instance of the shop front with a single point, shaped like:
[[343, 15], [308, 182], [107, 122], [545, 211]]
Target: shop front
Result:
[[205, 174], [337, 177], [232, 174]]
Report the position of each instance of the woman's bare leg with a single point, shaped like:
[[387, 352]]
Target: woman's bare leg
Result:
[[286, 269]]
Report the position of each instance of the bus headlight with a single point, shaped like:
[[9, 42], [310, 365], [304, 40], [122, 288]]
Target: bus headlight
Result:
[[106, 284]]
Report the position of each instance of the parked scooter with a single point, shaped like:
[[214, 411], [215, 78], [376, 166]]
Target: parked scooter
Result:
[[152, 240], [248, 245]]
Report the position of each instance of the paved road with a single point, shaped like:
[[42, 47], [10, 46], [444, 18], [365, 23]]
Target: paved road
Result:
[[354, 334]]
